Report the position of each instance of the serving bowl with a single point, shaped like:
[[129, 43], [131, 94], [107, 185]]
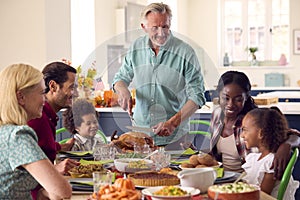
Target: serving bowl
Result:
[[236, 191], [137, 164], [149, 192]]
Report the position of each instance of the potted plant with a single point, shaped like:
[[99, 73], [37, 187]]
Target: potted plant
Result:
[[252, 51]]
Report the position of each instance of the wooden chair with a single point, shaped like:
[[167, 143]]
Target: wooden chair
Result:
[[287, 174]]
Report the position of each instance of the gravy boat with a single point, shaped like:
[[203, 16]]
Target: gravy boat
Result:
[[200, 178]]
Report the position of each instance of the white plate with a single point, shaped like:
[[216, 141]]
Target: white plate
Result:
[[227, 175], [150, 190]]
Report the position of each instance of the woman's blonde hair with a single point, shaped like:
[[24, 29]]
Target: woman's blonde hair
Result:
[[15, 78]]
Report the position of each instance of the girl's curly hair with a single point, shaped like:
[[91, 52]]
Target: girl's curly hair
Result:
[[273, 125]]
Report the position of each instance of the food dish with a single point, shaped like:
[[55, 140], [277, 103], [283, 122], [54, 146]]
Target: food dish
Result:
[[236, 191], [152, 178], [141, 164], [149, 192], [85, 171]]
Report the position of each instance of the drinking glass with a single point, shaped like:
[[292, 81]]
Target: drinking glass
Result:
[[101, 178], [141, 151], [104, 152], [161, 159]]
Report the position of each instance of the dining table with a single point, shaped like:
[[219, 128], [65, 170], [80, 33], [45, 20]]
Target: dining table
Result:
[[84, 195]]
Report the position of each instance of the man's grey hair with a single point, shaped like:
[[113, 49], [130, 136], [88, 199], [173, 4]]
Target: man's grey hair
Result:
[[156, 8]]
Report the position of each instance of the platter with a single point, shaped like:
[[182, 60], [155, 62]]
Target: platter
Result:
[[228, 177], [149, 192], [82, 184], [87, 155]]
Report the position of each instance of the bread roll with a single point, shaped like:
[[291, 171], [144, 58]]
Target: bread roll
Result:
[[206, 159], [194, 160]]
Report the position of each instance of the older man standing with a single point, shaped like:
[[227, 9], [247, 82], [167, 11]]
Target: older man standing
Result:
[[168, 80]]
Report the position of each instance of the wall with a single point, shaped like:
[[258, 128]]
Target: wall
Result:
[[23, 37], [38, 31], [34, 31]]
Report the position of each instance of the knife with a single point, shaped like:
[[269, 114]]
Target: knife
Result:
[[137, 128]]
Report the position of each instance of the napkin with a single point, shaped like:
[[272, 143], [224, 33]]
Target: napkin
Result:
[[86, 162], [178, 162], [219, 171], [189, 151], [182, 158]]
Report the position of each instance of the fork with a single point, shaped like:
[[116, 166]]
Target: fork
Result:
[[132, 119]]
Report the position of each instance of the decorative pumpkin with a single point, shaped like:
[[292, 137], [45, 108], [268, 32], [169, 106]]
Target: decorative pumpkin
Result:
[[124, 183]]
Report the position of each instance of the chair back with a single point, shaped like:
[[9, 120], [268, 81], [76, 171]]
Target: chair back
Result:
[[61, 130], [200, 122], [287, 174]]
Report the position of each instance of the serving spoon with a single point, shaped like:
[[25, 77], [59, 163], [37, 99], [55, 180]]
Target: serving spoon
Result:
[[240, 177]]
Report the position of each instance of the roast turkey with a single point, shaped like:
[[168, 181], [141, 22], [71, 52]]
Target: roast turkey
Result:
[[126, 141]]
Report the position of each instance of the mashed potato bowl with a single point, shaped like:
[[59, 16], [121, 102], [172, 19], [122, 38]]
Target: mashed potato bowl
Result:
[[236, 191]]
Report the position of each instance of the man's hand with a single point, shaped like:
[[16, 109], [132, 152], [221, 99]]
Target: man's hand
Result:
[[164, 128], [124, 96], [281, 160], [64, 166]]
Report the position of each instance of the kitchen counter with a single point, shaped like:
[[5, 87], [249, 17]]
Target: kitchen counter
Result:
[[287, 108], [116, 119], [282, 94]]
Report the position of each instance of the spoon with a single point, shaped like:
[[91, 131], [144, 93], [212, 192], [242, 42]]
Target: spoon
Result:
[[240, 177], [152, 153]]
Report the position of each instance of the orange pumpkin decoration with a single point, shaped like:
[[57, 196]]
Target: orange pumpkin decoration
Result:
[[124, 183]]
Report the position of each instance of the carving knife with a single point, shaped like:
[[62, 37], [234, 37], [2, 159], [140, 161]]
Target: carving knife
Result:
[[137, 128]]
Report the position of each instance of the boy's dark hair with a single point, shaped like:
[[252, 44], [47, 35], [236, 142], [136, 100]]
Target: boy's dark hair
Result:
[[72, 117]]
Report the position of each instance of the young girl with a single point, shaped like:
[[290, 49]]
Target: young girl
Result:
[[81, 120], [266, 129]]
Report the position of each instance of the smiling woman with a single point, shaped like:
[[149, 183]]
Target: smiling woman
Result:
[[23, 163]]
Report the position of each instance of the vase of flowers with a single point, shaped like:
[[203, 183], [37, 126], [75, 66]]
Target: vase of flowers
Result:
[[252, 51]]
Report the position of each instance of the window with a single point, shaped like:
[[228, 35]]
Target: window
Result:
[[255, 23]]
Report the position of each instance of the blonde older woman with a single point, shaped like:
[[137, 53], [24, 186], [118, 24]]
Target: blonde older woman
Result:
[[23, 163]]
